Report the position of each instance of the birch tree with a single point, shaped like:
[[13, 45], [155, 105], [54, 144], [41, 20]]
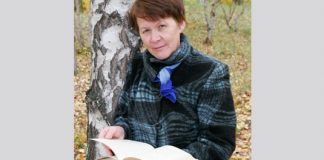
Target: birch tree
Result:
[[77, 34], [112, 47], [232, 13], [210, 18]]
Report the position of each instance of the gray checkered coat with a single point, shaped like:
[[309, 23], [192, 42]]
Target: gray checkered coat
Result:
[[201, 122]]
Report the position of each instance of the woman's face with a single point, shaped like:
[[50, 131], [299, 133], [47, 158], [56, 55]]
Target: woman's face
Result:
[[161, 37]]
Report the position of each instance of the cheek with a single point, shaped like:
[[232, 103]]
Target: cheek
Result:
[[144, 40], [145, 44]]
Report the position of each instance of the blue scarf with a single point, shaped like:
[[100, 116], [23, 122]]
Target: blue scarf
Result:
[[164, 75], [166, 88]]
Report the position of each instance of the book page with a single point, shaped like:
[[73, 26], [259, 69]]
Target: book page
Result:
[[164, 153], [125, 148]]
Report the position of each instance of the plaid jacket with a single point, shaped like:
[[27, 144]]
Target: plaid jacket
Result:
[[201, 122]]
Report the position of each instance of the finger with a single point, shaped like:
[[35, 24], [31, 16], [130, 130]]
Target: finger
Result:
[[120, 133], [109, 134], [119, 136], [103, 132]]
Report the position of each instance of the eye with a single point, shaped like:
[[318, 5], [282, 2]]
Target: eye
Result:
[[145, 31], [162, 26]]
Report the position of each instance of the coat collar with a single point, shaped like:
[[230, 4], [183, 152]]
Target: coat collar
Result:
[[176, 57]]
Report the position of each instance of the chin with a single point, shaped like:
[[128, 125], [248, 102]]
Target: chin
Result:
[[160, 56]]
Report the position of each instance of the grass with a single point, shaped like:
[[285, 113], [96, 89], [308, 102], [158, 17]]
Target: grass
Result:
[[232, 48]]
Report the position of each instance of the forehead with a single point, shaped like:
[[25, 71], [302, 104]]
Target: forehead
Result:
[[144, 22]]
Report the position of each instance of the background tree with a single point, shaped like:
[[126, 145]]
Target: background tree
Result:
[[81, 29], [210, 18], [112, 45], [232, 13], [77, 37]]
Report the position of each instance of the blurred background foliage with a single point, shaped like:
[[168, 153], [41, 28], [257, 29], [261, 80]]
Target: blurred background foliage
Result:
[[232, 47]]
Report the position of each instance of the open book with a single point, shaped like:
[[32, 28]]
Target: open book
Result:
[[134, 150]]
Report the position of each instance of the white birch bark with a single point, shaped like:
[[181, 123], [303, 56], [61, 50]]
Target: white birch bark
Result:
[[210, 18], [112, 46]]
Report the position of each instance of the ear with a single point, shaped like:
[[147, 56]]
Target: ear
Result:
[[182, 26]]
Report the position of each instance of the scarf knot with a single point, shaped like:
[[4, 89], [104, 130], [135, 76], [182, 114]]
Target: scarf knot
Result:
[[166, 88]]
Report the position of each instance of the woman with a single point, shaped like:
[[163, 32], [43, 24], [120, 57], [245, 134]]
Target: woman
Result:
[[174, 94]]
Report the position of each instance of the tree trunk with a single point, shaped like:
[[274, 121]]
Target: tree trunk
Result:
[[112, 47], [77, 6], [77, 33], [210, 19], [232, 15]]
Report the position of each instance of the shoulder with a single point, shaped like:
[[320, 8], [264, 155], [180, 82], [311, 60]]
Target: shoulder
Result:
[[199, 68], [213, 66], [217, 75]]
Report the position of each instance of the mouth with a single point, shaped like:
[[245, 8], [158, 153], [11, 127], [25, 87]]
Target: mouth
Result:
[[158, 48]]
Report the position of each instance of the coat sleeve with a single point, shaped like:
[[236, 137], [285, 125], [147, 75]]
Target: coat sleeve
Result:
[[217, 118]]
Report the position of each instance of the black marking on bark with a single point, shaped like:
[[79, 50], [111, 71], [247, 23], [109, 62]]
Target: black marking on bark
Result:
[[103, 104], [114, 68], [101, 76], [91, 148], [101, 7], [124, 37], [93, 97], [93, 53], [103, 49], [106, 21], [115, 101]]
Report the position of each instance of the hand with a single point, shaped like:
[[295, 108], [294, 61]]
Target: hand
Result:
[[112, 132]]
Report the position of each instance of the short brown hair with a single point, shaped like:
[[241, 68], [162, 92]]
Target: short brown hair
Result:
[[152, 10]]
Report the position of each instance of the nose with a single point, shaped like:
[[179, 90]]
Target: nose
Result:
[[155, 36]]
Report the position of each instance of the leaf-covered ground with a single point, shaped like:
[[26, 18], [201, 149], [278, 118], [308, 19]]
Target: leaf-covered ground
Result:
[[81, 85]]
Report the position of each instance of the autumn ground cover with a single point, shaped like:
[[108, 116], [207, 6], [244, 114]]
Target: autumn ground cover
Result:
[[232, 48]]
